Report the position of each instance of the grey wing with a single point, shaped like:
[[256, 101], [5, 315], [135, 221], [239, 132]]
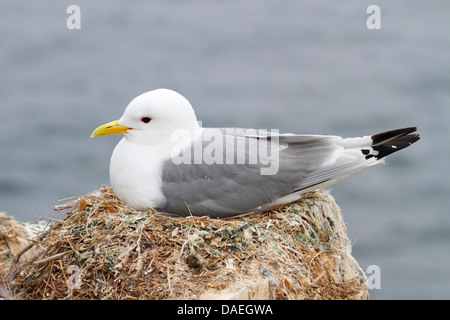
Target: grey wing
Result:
[[235, 177]]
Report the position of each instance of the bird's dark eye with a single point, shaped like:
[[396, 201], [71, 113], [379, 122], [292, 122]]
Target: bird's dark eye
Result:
[[146, 119]]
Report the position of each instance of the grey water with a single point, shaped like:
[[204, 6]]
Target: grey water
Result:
[[297, 66]]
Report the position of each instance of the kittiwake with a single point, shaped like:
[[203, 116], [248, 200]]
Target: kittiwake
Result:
[[168, 161]]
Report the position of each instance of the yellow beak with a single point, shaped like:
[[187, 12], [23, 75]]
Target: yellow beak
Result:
[[108, 128]]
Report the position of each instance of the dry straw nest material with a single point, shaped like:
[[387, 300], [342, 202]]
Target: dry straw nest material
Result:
[[103, 249], [13, 238]]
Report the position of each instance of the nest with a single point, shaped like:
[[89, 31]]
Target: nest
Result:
[[14, 237], [104, 249]]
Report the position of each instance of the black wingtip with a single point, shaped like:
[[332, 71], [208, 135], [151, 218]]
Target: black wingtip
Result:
[[392, 141], [384, 137]]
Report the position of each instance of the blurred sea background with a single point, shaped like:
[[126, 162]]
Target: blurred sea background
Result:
[[297, 66]]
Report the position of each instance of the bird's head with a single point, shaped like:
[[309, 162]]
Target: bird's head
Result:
[[153, 117]]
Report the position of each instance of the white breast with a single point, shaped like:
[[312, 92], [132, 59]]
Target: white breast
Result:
[[135, 174]]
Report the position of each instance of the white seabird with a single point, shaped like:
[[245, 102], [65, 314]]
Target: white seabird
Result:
[[167, 161]]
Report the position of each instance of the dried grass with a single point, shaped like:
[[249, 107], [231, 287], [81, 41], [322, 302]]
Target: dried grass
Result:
[[103, 249], [13, 238]]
